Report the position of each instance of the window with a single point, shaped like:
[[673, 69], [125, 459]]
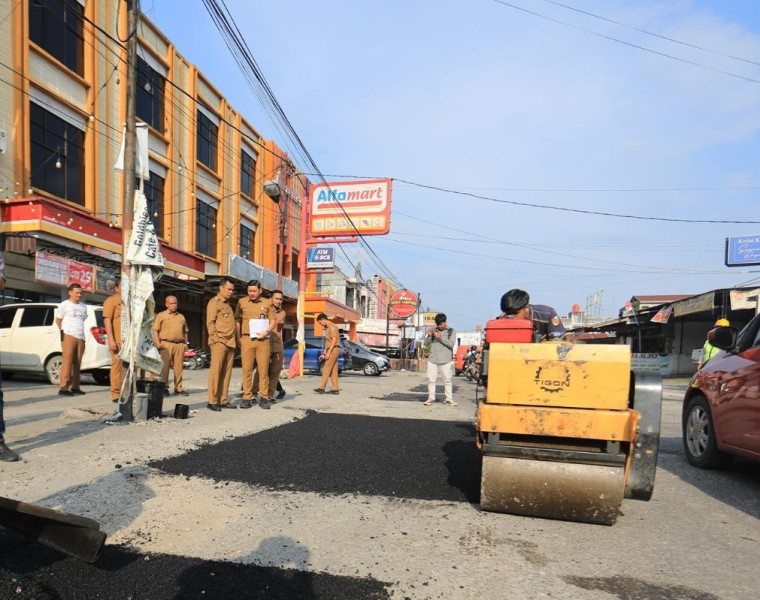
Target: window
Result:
[[208, 132], [247, 173], [6, 317], [150, 95], [37, 316], [57, 28], [154, 193], [247, 241], [57, 152], [205, 228]]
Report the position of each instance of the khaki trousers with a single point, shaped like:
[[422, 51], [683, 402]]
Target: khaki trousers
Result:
[[72, 349], [275, 368], [254, 354], [220, 372], [172, 353], [116, 375], [330, 370]]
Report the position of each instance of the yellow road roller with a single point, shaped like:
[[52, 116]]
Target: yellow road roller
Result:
[[566, 430]]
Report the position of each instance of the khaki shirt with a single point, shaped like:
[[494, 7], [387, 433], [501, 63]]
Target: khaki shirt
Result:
[[276, 334], [220, 322], [112, 310], [247, 309], [332, 337], [170, 326]]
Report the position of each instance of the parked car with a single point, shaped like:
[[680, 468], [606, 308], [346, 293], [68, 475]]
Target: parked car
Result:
[[30, 342], [366, 361], [312, 350], [721, 414]]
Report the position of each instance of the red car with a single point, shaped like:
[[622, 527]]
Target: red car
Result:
[[721, 409]]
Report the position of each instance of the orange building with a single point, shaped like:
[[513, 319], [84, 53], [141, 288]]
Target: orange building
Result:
[[211, 187]]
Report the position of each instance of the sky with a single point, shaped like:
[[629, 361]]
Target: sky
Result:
[[557, 147]]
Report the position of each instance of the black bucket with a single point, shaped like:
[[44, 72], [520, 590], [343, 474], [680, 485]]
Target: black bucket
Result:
[[181, 411], [155, 398]]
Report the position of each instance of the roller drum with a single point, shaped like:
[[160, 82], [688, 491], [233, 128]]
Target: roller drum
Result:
[[555, 490]]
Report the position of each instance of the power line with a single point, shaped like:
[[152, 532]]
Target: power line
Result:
[[607, 37], [573, 210], [657, 35]]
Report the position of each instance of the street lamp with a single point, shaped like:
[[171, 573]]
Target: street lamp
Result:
[[272, 189]]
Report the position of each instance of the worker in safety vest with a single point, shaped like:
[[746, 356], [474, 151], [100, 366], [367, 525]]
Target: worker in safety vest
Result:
[[708, 350]]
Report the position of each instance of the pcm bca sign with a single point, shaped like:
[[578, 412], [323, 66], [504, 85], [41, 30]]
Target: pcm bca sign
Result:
[[351, 208], [403, 303]]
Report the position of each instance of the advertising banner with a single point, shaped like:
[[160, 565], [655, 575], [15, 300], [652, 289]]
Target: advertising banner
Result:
[[743, 250], [403, 303], [350, 208], [82, 274], [51, 269], [694, 305]]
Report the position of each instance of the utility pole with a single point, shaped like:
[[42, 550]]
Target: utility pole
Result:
[[130, 152]]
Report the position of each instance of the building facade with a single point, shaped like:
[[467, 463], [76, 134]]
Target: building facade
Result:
[[62, 109]]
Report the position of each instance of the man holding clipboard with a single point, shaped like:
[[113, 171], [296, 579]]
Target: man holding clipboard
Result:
[[254, 322]]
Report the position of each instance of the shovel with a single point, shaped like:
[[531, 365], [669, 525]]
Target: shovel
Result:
[[76, 536]]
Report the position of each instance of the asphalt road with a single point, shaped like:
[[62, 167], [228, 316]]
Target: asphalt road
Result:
[[363, 495]]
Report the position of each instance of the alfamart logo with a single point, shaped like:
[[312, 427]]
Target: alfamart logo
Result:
[[350, 208]]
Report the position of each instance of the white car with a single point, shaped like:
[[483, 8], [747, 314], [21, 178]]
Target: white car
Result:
[[30, 342]]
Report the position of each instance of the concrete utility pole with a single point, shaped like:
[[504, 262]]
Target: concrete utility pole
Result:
[[130, 152]]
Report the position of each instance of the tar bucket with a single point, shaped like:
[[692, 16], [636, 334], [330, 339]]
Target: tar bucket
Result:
[[181, 411]]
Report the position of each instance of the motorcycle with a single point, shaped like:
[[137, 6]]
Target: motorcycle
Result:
[[192, 359], [205, 356], [473, 365]]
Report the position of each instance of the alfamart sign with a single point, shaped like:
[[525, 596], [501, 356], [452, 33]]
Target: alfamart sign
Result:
[[349, 208]]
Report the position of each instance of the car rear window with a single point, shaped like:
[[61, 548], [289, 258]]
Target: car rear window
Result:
[[37, 316], [99, 318]]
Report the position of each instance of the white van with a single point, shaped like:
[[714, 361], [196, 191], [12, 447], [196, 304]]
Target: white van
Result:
[[30, 342]]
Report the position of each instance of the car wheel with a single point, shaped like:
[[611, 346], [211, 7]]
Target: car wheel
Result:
[[101, 376], [53, 369], [699, 436], [370, 368]]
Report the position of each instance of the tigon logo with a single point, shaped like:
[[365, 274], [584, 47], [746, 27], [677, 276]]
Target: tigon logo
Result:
[[552, 379]]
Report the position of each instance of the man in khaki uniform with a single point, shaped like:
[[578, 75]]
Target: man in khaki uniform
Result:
[[112, 322], [254, 349], [170, 335], [222, 341], [330, 355], [276, 355]]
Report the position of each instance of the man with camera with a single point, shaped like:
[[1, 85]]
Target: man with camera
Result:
[[441, 340]]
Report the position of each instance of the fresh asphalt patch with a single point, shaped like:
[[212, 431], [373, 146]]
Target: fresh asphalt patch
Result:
[[336, 454], [29, 570], [419, 393]]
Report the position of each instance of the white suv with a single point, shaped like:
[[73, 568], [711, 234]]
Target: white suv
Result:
[[30, 341]]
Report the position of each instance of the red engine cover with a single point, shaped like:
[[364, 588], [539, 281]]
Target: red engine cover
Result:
[[511, 331]]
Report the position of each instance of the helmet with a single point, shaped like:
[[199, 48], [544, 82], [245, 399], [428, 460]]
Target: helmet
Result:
[[722, 322]]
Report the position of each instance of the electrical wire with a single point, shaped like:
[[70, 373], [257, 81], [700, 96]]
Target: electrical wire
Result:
[[657, 35], [607, 37]]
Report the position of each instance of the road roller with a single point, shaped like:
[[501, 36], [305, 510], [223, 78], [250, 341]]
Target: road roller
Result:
[[566, 430]]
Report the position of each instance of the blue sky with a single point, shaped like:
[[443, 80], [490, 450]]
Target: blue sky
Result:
[[530, 118]]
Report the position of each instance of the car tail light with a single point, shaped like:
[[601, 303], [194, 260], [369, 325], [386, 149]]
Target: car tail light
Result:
[[99, 333]]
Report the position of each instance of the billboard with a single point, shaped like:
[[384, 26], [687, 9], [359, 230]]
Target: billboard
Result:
[[743, 250], [348, 208], [403, 303]]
